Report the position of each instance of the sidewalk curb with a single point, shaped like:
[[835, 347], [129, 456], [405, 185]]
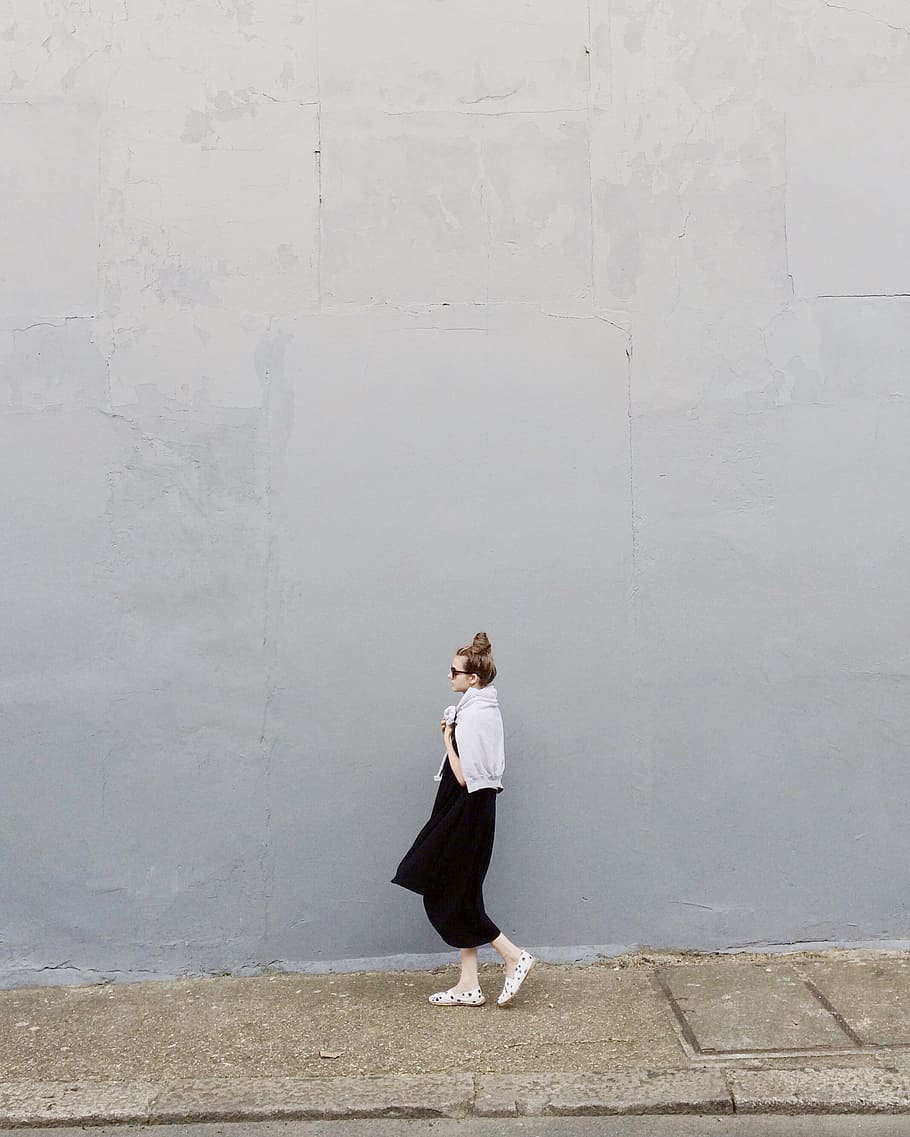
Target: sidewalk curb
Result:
[[624, 1092], [29, 1105]]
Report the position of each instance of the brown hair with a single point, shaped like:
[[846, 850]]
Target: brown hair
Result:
[[478, 655]]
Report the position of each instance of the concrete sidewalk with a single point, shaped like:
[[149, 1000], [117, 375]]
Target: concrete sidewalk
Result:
[[646, 1033]]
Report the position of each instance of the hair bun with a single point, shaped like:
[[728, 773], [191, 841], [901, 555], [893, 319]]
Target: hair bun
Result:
[[478, 656], [482, 644]]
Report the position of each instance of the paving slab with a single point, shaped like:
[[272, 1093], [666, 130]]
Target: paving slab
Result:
[[820, 1090], [641, 1092], [268, 1099], [751, 1007], [873, 995], [566, 1019]]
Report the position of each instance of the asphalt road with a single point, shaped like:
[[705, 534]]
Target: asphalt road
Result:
[[805, 1126]]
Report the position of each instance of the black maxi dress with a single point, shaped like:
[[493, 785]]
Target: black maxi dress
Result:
[[448, 862]]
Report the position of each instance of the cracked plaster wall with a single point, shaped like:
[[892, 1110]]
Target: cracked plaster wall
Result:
[[331, 332]]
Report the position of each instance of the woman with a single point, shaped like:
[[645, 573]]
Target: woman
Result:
[[449, 858]]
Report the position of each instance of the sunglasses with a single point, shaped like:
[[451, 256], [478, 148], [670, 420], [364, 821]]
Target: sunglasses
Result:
[[453, 671]]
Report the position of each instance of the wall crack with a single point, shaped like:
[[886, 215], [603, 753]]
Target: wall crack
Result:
[[874, 19]]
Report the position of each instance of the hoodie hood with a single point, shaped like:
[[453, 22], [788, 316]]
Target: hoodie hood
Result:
[[477, 697]]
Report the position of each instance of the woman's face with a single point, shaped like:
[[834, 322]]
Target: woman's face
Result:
[[460, 681]]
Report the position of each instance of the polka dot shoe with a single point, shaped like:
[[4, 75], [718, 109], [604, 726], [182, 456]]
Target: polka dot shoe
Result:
[[475, 998], [512, 985]]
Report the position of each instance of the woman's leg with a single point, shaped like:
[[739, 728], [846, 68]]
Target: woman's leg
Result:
[[509, 952], [468, 981]]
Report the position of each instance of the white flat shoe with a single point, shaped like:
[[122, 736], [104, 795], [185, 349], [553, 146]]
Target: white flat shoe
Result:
[[475, 998], [513, 984]]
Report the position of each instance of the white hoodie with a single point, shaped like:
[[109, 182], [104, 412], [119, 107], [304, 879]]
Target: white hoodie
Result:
[[480, 739]]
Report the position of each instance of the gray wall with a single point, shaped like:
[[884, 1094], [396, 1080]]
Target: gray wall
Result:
[[331, 333]]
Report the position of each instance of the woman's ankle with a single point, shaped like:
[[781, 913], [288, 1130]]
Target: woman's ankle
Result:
[[508, 951]]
